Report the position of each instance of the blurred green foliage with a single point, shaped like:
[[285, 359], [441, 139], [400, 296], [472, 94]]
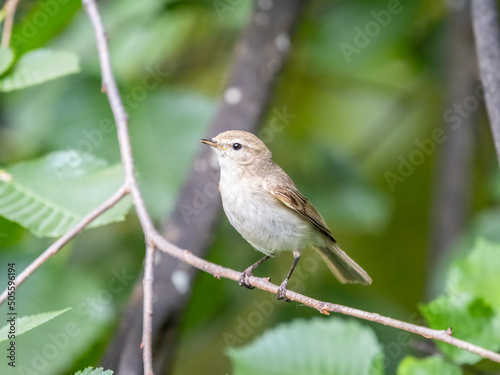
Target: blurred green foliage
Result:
[[471, 302], [430, 365], [338, 122]]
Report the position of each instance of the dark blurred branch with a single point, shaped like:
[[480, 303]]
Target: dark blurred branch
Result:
[[10, 10], [485, 25], [452, 178], [259, 55]]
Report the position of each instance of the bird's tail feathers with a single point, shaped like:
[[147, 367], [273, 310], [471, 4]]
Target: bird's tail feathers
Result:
[[342, 266]]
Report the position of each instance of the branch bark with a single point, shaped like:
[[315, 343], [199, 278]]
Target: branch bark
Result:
[[485, 25], [259, 55]]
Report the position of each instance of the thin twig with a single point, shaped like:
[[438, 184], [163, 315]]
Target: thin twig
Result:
[[322, 307], [486, 34], [56, 246], [109, 86], [147, 312], [10, 10]]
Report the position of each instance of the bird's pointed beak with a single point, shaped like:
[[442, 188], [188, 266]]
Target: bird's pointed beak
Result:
[[211, 143]]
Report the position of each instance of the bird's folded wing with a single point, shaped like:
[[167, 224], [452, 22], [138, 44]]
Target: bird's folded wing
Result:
[[293, 199]]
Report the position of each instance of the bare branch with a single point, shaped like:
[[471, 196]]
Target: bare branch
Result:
[[56, 246], [485, 25], [147, 312], [121, 119], [10, 10], [323, 307]]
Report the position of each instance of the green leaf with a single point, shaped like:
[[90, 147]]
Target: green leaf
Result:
[[39, 66], [97, 371], [27, 323], [427, 366], [478, 273], [6, 59], [43, 21], [51, 194], [471, 320], [471, 303], [314, 347]]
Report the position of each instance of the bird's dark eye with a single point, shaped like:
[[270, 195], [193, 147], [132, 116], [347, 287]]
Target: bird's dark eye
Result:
[[236, 146]]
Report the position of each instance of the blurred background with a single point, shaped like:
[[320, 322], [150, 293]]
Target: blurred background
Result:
[[377, 116]]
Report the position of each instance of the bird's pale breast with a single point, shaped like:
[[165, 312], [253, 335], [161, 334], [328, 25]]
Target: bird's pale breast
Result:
[[266, 223]]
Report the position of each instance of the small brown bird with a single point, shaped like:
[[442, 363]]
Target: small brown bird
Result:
[[264, 206]]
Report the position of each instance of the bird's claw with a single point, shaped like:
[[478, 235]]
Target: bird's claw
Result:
[[281, 293], [245, 279]]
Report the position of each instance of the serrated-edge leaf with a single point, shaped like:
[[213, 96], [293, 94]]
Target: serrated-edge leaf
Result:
[[26, 323], [39, 66], [97, 371], [29, 203], [6, 59], [27, 208], [316, 346], [45, 216]]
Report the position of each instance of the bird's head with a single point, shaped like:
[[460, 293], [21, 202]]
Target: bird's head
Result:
[[236, 148]]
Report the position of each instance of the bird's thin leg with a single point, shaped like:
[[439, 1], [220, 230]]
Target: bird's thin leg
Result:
[[283, 287], [244, 278]]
